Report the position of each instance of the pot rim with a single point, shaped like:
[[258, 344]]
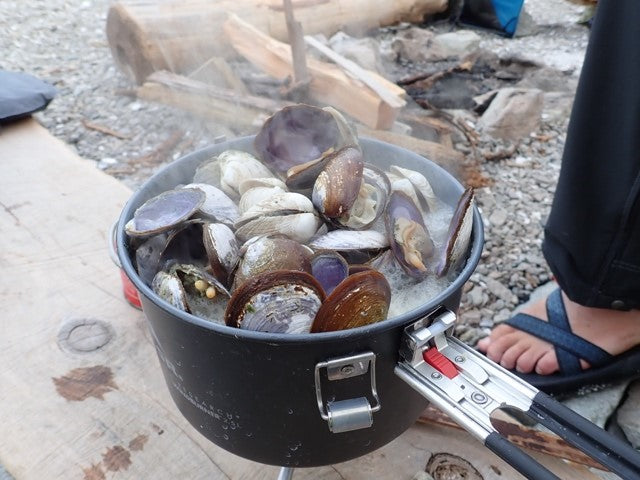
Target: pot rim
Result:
[[372, 329]]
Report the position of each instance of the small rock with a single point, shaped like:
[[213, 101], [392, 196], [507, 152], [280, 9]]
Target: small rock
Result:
[[597, 407], [363, 51], [472, 317], [513, 114], [476, 296], [498, 217], [629, 415], [500, 291], [456, 44]]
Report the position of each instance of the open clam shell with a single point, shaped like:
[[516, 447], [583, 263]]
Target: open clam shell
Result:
[[337, 186], [276, 302], [148, 256], [459, 235], [409, 237], [165, 211], [217, 205], [329, 268], [204, 294], [222, 248], [356, 246], [371, 201], [299, 134], [421, 186], [361, 299], [169, 288]]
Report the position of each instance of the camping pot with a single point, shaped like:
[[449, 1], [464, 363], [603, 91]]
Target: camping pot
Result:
[[304, 400]]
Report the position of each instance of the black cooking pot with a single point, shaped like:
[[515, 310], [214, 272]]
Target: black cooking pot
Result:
[[263, 396], [323, 398]]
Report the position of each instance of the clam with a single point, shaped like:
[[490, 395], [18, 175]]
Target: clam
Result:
[[263, 254], [329, 268], [370, 202], [361, 299], [148, 256], [203, 292], [408, 235], [236, 167], [217, 205], [337, 186], [282, 301], [169, 288], [222, 248], [420, 185], [256, 190], [299, 134], [165, 211], [185, 245], [289, 214], [356, 246], [459, 234], [190, 289]]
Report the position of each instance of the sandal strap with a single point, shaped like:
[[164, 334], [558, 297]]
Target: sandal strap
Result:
[[569, 347]]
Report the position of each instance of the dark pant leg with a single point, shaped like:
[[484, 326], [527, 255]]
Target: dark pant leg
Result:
[[592, 238]]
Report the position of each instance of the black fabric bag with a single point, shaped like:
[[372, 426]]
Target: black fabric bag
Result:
[[21, 95]]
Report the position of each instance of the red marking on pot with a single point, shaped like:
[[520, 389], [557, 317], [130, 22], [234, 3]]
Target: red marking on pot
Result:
[[130, 292], [82, 383]]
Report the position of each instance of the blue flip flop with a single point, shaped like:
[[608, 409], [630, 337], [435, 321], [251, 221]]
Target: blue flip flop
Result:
[[605, 369]]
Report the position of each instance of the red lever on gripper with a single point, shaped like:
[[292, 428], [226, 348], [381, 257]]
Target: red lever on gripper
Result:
[[441, 363]]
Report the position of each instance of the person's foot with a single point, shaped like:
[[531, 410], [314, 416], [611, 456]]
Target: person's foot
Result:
[[612, 330]]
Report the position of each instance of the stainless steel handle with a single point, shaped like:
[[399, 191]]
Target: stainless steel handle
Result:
[[468, 387], [353, 413]]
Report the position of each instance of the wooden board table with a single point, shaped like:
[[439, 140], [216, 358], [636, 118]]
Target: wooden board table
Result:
[[81, 392]]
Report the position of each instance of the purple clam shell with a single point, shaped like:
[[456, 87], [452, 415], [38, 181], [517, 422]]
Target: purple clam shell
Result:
[[295, 135], [329, 268]]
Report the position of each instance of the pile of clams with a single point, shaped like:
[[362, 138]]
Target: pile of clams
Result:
[[298, 237]]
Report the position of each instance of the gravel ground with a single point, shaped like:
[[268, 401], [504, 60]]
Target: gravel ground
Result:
[[63, 42]]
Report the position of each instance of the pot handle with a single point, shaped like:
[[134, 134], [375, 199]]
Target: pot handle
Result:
[[469, 387]]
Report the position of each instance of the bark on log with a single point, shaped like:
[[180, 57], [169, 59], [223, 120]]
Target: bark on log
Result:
[[146, 36]]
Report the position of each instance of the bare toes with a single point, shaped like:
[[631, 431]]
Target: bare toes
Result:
[[498, 346], [511, 355], [529, 359], [547, 363]]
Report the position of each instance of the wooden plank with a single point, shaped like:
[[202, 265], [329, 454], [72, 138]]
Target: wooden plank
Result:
[[329, 84], [215, 103], [177, 35], [81, 391], [389, 92]]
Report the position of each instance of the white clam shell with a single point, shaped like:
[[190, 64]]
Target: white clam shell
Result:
[[237, 166], [420, 183], [255, 196], [282, 203], [217, 205], [222, 239], [297, 226], [350, 240]]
